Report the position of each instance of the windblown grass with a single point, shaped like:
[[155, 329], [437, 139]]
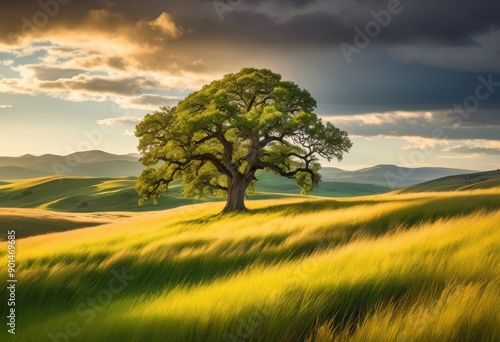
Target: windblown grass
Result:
[[421, 267]]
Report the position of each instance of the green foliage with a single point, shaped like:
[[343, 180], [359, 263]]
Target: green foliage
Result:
[[248, 121]]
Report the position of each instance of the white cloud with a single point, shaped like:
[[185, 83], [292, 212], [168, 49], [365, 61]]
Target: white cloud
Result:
[[5, 106], [166, 25], [109, 58], [151, 101], [475, 148], [123, 120], [379, 119], [428, 125], [419, 143], [459, 156]]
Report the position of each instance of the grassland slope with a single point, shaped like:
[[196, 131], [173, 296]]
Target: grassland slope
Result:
[[478, 180], [88, 194], [416, 267]]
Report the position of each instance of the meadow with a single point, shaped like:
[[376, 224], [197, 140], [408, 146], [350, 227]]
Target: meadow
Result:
[[97, 194], [394, 267]]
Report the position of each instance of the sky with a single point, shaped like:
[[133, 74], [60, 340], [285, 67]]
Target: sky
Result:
[[414, 83]]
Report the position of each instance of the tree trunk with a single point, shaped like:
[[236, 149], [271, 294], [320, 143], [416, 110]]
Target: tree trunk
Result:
[[236, 195]]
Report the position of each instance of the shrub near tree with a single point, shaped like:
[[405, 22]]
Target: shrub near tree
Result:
[[217, 138]]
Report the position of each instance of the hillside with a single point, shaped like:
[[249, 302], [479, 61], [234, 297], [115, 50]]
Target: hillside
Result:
[[390, 175], [78, 194], [86, 164], [36, 222], [103, 164], [479, 180], [386, 268], [16, 172], [271, 183]]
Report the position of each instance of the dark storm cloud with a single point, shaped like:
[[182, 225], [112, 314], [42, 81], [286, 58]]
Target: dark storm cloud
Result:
[[54, 74], [248, 28], [377, 83], [447, 22], [284, 3], [102, 85], [286, 33], [18, 19], [424, 130], [437, 22], [418, 124]]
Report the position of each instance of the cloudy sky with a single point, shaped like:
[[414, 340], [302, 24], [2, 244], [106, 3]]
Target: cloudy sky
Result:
[[415, 83]]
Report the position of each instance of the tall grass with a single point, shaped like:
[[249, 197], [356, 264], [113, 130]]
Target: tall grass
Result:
[[383, 268]]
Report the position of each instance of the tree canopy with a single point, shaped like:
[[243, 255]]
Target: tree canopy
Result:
[[216, 139]]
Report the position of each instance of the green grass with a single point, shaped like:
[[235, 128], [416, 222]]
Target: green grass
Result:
[[102, 195], [480, 180], [86, 194], [416, 267], [270, 183], [31, 222]]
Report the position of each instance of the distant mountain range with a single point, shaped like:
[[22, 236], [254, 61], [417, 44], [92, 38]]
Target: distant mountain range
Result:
[[86, 164], [103, 164], [391, 176]]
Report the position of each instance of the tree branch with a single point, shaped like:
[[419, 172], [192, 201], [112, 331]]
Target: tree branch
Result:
[[216, 186], [227, 156], [212, 159], [208, 157], [289, 174]]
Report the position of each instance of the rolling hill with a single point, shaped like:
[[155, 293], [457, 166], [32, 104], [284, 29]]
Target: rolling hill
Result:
[[31, 222], [390, 175], [271, 183], [387, 268], [83, 194], [86, 194], [103, 197], [86, 164], [17, 172], [479, 180], [103, 164]]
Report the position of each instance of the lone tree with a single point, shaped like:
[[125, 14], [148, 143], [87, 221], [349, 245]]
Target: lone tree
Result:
[[217, 138]]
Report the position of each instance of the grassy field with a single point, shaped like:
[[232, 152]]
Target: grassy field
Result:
[[83, 194], [36, 222], [86, 194], [479, 180], [415, 267]]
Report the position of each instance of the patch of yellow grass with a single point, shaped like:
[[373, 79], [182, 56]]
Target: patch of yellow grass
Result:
[[339, 270]]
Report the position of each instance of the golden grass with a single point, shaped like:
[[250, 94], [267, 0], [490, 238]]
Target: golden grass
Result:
[[422, 267], [33, 182]]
